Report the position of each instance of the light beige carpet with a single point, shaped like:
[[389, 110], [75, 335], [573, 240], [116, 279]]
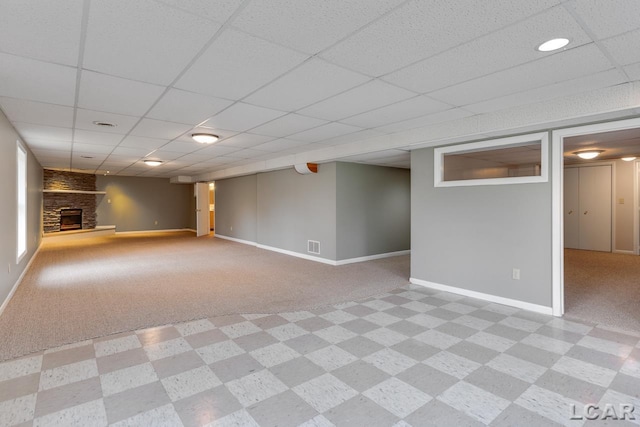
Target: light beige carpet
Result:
[[99, 286], [603, 288]]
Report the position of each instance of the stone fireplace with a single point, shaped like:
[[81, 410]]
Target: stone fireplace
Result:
[[66, 192], [70, 219]]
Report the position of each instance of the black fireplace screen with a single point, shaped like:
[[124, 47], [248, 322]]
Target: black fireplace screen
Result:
[[70, 219]]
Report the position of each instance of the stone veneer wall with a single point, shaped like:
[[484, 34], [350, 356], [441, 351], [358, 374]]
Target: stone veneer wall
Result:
[[53, 202]]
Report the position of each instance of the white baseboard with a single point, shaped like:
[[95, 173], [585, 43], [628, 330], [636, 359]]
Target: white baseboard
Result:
[[311, 257], [372, 257], [619, 251], [15, 286], [487, 297], [297, 254], [167, 230], [233, 239]]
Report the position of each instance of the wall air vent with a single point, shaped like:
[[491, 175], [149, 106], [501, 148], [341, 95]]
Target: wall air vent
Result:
[[313, 247]]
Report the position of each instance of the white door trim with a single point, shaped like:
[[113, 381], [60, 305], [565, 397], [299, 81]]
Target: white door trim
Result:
[[636, 211], [557, 226]]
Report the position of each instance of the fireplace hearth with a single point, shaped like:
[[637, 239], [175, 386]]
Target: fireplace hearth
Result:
[[70, 219]]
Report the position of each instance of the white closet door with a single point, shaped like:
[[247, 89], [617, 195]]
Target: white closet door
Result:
[[595, 208], [572, 208]]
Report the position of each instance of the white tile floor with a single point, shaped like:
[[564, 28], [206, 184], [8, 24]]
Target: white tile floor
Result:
[[412, 357]]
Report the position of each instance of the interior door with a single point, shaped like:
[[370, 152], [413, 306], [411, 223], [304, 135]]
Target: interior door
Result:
[[202, 209], [595, 208], [572, 208]]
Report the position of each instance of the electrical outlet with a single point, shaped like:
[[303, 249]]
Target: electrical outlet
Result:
[[8, 267], [231, 228], [516, 274], [155, 222]]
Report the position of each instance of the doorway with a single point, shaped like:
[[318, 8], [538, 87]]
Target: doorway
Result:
[[600, 268], [212, 208]]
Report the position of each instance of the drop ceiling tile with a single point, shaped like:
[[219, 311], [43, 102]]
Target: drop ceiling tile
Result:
[[92, 149], [130, 152], [565, 88], [429, 119], [569, 64], [241, 117], [37, 81], [182, 147], [100, 92], [309, 25], [216, 150], [245, 140], [237, 64], [36, 144], [20, 110], [142, 142], [503, 49], [165, 156], [280, 144], [159, 129], [624, 48], [97, 138], [143, 40], [30, 131], [215, 10], [608, 18], [419, 29], [633, 71], [369, 96], [49, 34], [123, 124], [352, 137], [410, 108], [330, 130], [313, 81], [287, 125], [186, 107]]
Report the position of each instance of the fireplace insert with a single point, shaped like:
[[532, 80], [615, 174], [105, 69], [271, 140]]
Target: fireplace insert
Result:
[[70, 219]]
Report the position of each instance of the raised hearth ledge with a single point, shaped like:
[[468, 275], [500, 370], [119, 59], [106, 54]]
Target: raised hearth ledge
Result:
[[60, 236], [74, 191]]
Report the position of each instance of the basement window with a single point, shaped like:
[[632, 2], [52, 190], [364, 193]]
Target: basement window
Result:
[[21, 189], [515, 160]]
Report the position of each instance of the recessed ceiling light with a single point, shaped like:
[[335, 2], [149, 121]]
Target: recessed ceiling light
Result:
[[588, 154], [153, 162], [105, 124], [629, 158], [204, 138], [553, 44]]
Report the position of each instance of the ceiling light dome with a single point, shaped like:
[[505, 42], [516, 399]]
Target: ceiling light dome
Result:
[[153, 162], [629, 158], [553, 44], [588, 154], [204, 138]]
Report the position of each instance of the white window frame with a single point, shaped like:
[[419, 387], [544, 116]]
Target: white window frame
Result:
[[21, 202], [513, 141]]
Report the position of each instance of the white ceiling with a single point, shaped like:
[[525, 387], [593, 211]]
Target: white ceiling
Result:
[[281, 78]]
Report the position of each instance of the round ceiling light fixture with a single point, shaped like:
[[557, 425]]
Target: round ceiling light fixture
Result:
[[588, 154], [153, 162], [553, 44], [629, 158], [105, 124], [204, 138]]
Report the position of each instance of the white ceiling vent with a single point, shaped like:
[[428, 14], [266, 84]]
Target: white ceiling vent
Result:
[[313, 247]]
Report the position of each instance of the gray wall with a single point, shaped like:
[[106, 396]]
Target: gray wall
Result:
[[137, 202], [294, 208], [472, 237], [8, 208], [236, 207], [625, 177], [373, 210]]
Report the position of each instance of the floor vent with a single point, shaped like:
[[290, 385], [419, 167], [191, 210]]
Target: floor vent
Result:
[[313, 247]]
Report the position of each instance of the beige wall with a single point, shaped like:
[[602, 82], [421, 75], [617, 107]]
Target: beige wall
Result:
[[623, 213], [10, 271]]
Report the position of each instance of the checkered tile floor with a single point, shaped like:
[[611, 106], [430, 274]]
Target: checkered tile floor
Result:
[[412, 357]]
